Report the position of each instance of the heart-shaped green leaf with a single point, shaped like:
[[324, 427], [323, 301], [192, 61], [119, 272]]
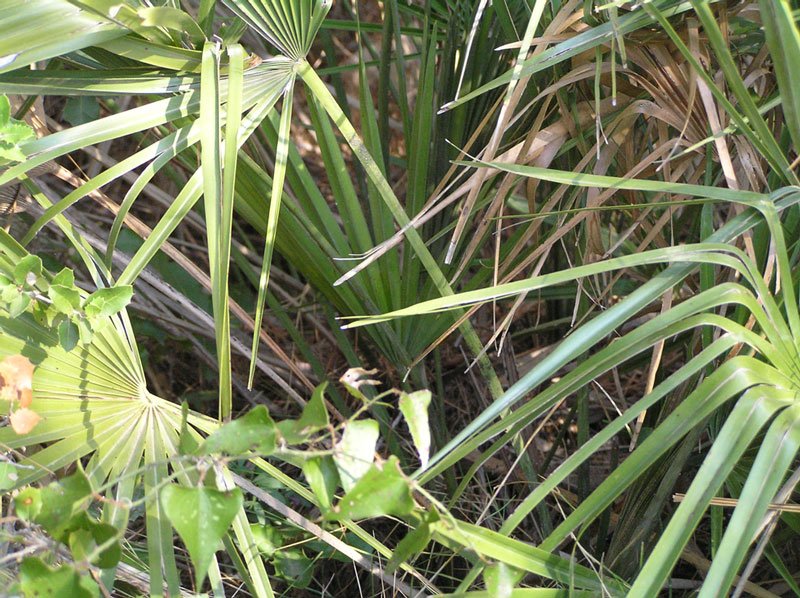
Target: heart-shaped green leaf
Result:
[[254, 431], [382, 490], [60, 501], [501, 578], [65, 299], [68, 335], [201, 516]]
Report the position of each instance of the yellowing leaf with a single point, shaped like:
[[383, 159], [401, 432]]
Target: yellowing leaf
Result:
[[24, 420]]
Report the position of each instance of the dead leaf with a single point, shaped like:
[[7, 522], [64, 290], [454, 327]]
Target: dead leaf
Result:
[[24, 420], [16, 379]]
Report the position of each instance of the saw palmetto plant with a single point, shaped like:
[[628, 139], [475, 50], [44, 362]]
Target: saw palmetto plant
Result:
[[608, 188]]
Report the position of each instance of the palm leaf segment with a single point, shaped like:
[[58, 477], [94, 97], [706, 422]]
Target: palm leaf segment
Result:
[[289, 26]]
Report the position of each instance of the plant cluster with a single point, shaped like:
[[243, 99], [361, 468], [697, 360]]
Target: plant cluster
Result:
[[565, 232]]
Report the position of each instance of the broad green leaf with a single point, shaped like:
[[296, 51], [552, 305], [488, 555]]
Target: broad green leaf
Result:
[[382, 490], [294, 567], [10, 152], [81, 109], [9, 293], [354, 452], [62, 499], [28, 503], [267, 538], [28, 270], [8, 475], [66, 299], [253, 432], [107, 302], [201, 516], [65, 277], [315, 413], [414, 407], [501, 578], [85, 332], [36, 579], [16, 132], [68, 335], [19, 304], [413, 543], [85, 541]]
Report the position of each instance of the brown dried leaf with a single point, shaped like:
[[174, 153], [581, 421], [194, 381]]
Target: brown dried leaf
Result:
[[25, 397], [24, 420], [16, 379]]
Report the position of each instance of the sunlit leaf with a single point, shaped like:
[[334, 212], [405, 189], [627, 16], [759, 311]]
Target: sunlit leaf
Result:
[[414, 407], [354, 452], [501, 578], [267, 538], [28, 270], [107, 302], [354, 378]]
